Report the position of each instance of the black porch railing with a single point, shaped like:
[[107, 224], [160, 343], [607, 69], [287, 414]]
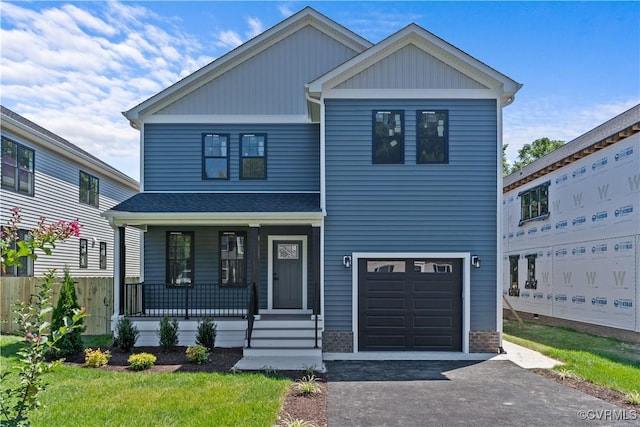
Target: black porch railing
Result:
[[199, 300], [252, 311]]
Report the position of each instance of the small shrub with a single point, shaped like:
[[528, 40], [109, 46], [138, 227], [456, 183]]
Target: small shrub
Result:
[[141, 361], [308, 385], [309, 370], [633, 398], [127, 334], [96, 358], [206, 335], [168, 333], [70, 343], [197, 354], [565, 373], [289, 421]]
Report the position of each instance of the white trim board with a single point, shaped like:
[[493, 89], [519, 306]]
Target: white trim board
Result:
[[466, 282], [270, 240]]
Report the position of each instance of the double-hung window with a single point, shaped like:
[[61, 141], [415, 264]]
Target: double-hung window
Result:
[[534, 203], [531, 282], [514, 288], [388, 137], [253, 155], [233, 265], [215, 156], [432, 137], [17, 167], [89, 189], [180, 252]]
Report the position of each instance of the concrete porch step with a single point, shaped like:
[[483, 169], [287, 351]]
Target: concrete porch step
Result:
[[296, 332], [276, 352], [280, 363], [284, 342]]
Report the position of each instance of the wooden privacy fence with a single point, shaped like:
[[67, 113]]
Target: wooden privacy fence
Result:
[[95, 294]]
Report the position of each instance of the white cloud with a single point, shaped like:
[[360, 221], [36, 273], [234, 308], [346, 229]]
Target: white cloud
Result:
[[228, 39], [255, 27], [73, 68], [285, 9]]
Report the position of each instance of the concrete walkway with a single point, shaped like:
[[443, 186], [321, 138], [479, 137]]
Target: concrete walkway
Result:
[[525, 357]]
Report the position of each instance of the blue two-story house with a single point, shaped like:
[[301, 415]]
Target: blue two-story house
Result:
[[355, 187]]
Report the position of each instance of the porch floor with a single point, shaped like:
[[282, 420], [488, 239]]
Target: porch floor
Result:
[[280, 363]]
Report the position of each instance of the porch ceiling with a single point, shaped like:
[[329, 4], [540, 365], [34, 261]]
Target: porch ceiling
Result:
[[217, 209]]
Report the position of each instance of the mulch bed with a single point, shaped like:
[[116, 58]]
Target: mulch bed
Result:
[[311, 408]]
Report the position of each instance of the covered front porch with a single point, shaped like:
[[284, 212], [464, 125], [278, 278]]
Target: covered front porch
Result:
[[253, 270]]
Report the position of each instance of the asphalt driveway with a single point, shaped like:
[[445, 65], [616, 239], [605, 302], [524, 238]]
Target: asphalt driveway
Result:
[[469, 393]]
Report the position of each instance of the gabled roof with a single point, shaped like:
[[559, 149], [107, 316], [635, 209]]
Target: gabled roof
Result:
[[429, 43], [306, 16], [37, 134], [610, 132]]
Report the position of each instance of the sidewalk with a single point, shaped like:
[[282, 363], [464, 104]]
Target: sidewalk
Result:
[[525, 357]]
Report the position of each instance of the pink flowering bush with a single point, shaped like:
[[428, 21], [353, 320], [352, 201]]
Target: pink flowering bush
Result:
[[31, 317]]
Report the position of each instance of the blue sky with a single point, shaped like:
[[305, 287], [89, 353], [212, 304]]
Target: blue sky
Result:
[[72, 67]]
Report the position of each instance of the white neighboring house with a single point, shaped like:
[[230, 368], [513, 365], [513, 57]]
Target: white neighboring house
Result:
[[46, 175], [571, 230]]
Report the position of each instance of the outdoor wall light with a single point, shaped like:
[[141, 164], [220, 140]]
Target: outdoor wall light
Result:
[[346, 261], [475, 261]]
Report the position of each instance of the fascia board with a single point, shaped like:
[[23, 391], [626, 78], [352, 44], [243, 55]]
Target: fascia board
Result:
[[91, 163], [212, 218], [411, 94], [242, 53], [228, 119]]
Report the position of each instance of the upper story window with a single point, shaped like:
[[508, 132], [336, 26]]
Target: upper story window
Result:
[[388, 137], [432, 137], [89, 189], [233, 264], [17, 167], [215, 156], [180, 250], [253, 155], [534, 203], [26, 263]]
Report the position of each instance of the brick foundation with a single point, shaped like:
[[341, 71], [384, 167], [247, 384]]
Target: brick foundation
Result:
[[337, 341], [484, 342]]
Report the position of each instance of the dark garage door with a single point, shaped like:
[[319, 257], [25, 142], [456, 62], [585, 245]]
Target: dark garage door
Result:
[[410, 305]]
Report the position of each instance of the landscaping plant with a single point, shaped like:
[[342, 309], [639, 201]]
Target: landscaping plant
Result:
[[96, 358], [197, 354], [168, 333], [206, 334], [70, 343], [127, 334], [32, 317], [141, 361]]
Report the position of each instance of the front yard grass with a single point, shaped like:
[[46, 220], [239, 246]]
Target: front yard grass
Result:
[[92, 397], [604, 361]]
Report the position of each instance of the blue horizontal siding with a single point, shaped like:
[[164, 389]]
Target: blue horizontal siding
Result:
[[411, 207], [173, 158]]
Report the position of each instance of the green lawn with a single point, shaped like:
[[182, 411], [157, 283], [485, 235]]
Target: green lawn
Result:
[[93, 397], [606, 361]]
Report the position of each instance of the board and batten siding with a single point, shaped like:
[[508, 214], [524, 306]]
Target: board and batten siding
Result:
[[56, 196], [410, 68], [411, 207], [173, 158], [269, 83]]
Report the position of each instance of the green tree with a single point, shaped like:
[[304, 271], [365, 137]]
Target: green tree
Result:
[[506, 168], [70, 343], [535, 150]]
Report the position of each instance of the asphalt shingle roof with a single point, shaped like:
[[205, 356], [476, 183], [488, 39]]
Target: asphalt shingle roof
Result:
[[220, 202]]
